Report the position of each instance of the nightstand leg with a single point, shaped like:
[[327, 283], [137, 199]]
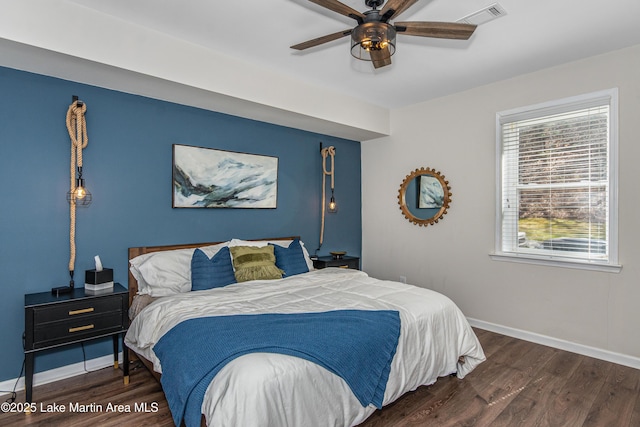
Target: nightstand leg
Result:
[[115, 352], [28, 377], [125, 361]]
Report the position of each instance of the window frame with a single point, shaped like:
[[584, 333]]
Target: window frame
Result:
[[610, 264]]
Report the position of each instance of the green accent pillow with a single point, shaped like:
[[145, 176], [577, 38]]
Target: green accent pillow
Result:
[[254, 263]]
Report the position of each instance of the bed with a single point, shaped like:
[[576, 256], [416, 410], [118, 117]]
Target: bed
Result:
[[275, 388]]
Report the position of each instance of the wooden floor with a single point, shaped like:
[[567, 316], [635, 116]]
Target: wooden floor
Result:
[[520, 384]]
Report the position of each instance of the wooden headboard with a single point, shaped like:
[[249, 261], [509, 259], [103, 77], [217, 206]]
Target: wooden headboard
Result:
[[141, 250]]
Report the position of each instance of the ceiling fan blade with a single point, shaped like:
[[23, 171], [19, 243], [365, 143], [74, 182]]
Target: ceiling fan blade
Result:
[[394, 8], [341, 8], [321, 40], [441, 30], [381, 58]]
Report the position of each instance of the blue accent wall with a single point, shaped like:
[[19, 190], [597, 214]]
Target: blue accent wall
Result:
[[127, 168]]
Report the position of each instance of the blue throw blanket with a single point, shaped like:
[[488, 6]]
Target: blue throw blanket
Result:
[[357, 345]]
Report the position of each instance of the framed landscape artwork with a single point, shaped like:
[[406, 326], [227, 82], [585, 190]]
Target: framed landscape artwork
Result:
[[211, 178], [431, 193]]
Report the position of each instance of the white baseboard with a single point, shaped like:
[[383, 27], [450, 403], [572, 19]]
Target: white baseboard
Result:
[[60, 373], [609, 356]]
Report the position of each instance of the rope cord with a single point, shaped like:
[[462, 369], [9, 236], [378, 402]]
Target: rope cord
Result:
[[77, 128], [326, 152]]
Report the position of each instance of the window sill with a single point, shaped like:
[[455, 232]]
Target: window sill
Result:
[[577, 264]]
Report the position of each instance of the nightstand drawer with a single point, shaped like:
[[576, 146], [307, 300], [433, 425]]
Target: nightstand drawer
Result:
[[83, 327], [349, 263], [72, 310]]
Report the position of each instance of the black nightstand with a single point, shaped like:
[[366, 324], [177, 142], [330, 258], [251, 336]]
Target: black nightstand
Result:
[[344, 262], [53, 321]]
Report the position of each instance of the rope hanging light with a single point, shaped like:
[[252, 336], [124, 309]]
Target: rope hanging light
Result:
[[78, 194], [327, 152]]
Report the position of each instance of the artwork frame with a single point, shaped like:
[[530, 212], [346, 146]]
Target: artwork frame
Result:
[[212, 178]]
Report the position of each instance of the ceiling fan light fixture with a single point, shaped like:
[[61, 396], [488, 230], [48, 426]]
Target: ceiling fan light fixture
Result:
[[377, 37]]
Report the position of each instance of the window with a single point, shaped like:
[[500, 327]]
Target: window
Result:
[[557, 183]]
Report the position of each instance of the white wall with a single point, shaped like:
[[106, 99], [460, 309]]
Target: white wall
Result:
[[456, 135]]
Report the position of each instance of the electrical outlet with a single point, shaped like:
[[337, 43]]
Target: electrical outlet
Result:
[[403, 279]]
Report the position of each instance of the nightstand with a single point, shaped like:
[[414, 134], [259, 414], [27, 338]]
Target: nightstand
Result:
[[54, 321], [344, 262]]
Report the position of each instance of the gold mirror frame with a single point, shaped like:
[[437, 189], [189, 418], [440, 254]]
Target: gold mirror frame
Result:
[[402, 197]]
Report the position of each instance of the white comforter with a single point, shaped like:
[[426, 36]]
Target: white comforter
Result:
[[276, 390]]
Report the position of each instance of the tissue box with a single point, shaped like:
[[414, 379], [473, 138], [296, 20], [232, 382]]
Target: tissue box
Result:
[[93, 277], [98, 281]]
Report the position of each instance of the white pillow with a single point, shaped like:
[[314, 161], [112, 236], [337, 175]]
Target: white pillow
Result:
[[283, 243], [167, 272]]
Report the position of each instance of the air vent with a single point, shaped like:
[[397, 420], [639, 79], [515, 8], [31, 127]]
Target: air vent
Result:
[[487, 14]]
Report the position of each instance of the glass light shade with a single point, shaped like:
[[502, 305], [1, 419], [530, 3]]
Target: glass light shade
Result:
[[373, 36]]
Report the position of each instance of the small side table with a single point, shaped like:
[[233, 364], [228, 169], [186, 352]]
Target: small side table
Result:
[[54, 321], [344, 262]]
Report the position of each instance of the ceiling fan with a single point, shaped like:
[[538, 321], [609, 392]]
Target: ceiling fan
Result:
[[374, 38]]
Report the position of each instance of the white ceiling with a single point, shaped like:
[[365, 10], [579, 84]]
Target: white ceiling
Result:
[[533, 35], [257, 33]]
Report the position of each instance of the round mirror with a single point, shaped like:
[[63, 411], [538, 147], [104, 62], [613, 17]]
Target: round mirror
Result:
[[424, 196]]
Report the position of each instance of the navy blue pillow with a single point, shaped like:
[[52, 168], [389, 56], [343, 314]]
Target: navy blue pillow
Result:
[[211, 273], [290, 259]]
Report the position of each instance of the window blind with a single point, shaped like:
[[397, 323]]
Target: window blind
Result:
[[555, 181]]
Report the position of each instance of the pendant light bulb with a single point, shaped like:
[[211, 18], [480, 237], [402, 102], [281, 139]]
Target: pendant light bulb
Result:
[[80, 192], [332, 207]]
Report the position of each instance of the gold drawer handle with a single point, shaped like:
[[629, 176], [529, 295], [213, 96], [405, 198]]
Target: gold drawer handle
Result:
[[344, 266], [82, 311], [81, 328]]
